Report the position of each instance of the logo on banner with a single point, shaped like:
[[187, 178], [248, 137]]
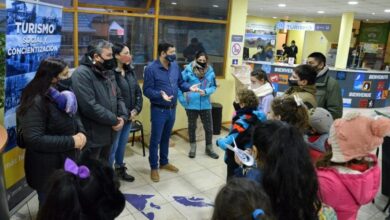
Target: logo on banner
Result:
[[371, 103], [358, 84], [341, 75], [381, 85], [366, 86], [363, 103], [274, 77], [283, 79]]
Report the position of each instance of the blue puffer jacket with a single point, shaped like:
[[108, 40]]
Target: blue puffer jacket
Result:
[[193, 100]]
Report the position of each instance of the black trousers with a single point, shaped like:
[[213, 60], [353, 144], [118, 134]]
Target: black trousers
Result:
[[98, 153], [205, 117]]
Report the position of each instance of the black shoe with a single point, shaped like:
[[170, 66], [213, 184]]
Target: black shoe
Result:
[[212, 154], [121, 173]]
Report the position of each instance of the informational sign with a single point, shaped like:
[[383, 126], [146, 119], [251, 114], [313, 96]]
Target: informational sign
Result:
[[33, 33], [237, 46], [376, 33], [302, 26]]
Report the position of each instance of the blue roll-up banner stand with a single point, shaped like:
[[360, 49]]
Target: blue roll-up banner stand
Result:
[[33, 33]]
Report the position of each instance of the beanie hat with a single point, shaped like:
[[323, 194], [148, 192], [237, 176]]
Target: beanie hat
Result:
[[355, 136], [320, 120]]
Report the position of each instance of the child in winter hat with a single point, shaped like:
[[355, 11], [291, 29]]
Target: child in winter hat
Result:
[[351, 172], [320, 121]]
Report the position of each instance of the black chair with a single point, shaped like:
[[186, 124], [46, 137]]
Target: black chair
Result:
[[135, 127]]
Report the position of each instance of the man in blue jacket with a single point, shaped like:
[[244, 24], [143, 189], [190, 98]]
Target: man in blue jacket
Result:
[[162, 80]]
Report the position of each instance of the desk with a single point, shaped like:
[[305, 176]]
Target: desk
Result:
[[360, 88]]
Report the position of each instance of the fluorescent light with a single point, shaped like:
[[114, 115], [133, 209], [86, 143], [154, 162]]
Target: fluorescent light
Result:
[[353, 3], [367, 20], [320, 12], [174, 3], [274, 17], [373, 13], [387, 10], [282, 5], [215, 6]]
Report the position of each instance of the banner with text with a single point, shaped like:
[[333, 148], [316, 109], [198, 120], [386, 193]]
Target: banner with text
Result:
[[33, 33]]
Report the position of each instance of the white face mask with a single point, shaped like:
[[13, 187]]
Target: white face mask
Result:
[[254, 86]]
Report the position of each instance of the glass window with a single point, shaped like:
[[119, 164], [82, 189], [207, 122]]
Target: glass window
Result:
[[211, 9], [67, 46], [135, 32], [144, 6], [121, 3], [204, 36], [65, 3]]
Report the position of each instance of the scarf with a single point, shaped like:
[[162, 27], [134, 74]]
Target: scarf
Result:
[[198, 70], [322, 72], [262, 90], [65, 101]]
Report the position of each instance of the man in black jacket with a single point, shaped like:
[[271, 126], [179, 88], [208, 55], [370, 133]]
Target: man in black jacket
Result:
[[101, 106]]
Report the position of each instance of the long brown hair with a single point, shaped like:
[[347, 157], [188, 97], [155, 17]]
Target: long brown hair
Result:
[[290, 112]]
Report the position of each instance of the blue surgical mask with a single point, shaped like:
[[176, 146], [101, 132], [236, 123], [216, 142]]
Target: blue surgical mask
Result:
[[171, 58]]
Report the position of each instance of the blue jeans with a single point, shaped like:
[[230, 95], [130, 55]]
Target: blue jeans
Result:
[[162, 124], [119, 145]]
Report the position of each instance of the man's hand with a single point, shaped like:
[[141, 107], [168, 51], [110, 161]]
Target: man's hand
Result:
[[133, 114], [202, 92], [195, 88], [119, 125], [166, 97]]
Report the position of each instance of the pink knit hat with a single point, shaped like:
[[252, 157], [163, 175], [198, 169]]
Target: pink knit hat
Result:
[[355, 136]]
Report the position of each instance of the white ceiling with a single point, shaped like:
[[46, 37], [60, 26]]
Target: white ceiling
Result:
[[305, 9]]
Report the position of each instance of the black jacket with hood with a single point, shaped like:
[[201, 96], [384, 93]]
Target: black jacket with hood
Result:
[[100, 102]]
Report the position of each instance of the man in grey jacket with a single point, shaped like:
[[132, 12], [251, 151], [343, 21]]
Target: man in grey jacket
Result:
[[328, 93], [101, 106]]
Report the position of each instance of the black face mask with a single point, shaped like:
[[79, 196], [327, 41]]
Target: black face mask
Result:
[[292, 82], [108, 64], [203, 65]]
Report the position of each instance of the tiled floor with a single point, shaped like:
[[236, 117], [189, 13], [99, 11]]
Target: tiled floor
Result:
[[200, 178]]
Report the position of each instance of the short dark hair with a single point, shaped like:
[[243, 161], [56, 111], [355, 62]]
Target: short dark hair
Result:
[[239, 198], [293, 41], [201, 53], [96, 47], [163, 47], [319, 57], [306, 72], [194, 40]]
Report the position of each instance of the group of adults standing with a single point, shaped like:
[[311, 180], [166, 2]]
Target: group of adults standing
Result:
[[89, 114]]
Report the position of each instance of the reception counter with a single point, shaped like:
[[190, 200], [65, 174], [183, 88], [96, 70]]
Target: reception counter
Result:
[[360, 88]]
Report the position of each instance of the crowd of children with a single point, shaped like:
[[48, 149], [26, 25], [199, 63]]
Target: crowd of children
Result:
[[307, 166]]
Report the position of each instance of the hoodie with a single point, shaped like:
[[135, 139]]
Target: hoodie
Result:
[[352, 189]]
